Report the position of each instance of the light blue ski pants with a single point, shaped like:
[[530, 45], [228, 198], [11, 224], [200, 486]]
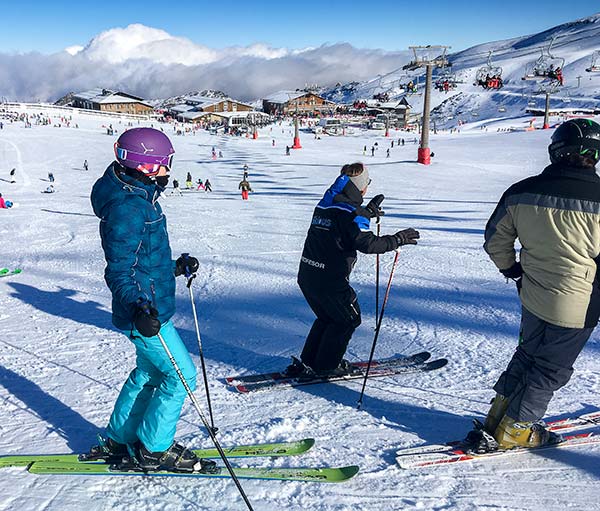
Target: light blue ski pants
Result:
[[150, 402]]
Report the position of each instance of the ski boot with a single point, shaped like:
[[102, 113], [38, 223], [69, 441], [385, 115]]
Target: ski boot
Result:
[[495, 414], [298, 369], [511, 433], [176, 458], [107, 450]]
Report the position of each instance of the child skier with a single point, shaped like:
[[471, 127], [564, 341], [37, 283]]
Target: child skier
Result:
[[141, 276], [245, 187]]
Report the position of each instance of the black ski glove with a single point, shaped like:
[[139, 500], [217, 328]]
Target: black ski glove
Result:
[[514, 272], [374, 206], [186, 265], [145, 319], [407, 237]]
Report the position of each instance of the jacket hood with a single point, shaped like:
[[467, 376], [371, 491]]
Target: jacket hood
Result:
[[342, 191], [115, 186]]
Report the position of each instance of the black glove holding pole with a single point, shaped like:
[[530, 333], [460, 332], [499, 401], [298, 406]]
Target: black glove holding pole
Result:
[[373, 208], [146, 319], [186, 265]]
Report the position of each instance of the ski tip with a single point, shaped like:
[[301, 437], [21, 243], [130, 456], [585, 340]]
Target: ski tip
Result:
[[349, 472], [308, 443], [422, 355], [436, 364], [242, 389]]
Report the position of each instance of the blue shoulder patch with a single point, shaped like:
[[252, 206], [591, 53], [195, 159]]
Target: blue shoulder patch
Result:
[[363, 223]]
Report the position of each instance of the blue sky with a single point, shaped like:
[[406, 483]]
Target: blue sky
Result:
[[50, 26]]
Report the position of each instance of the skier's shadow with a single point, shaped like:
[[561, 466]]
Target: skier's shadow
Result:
[[431, 425], [60, 303], [60, 419]]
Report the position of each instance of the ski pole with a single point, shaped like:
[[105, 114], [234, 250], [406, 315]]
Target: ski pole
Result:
[[205, 422], [377, 276], [202, 363], [378, 328]]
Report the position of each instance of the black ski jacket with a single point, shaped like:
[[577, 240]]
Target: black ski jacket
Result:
[[339, 228]]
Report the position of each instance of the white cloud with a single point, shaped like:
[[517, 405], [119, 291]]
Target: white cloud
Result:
[[152, 63], [72, 50]]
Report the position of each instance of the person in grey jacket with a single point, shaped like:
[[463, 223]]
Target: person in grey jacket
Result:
[[556, 217]]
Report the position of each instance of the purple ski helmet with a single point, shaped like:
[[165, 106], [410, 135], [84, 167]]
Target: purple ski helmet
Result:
[[144, 149]]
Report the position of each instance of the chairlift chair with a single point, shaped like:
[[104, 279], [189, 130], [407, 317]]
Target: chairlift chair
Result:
[[489, 76], [545, 66], [595, 65]]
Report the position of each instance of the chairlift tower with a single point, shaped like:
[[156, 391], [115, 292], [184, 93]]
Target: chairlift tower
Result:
[[550, 89], [427, 57]]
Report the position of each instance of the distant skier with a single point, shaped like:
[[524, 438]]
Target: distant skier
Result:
[[287, 150], [85, 165], [189, 183], [339, 228], [387, 154], [141, 276], [364, 150], [51, 177], [176, 189], [245, 187], [207, 185], [245, 176], [201, 185], [12, 175], [3, 204], [49, 189], [372, 150], [556, 216]]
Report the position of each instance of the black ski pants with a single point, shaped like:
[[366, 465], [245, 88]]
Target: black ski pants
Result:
[[338, 315], [542, 364]]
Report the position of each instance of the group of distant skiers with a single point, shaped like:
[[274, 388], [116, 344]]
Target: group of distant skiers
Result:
[[491, 82], [189, 185], [555, 215]]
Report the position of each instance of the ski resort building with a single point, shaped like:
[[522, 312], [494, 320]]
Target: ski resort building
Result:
[[105, 100], [285, 102], [195, 108]]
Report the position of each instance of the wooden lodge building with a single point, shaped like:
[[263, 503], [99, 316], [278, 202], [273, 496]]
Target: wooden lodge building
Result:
[[195, 107], [288, 102], [106, 100]]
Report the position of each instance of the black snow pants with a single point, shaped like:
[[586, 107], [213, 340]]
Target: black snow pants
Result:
[[338, 315], [542, 364]]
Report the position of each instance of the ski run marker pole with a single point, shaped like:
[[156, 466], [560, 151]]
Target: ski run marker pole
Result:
[[378, 328], [204, 421]]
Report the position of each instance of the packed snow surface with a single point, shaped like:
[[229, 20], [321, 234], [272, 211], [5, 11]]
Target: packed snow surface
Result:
[[62, 363]]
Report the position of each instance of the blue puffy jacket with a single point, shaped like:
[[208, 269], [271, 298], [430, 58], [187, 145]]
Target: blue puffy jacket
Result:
[[136, 246]]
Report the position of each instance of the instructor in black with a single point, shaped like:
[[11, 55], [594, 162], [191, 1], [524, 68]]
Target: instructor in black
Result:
[[339, 228]]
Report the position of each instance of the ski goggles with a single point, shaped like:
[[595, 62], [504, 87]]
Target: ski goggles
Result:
[[148, 164]]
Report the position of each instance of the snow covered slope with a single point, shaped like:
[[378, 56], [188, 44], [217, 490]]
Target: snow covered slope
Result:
[[575, 42], [62, 364]]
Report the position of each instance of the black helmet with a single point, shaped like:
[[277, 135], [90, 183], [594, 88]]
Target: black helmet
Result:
[[576, 137]]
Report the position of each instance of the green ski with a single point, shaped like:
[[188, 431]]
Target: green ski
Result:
[[239, 451], [318, 475]]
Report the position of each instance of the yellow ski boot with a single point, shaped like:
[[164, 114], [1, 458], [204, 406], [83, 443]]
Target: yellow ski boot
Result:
[[497, 411], [511, 433]]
